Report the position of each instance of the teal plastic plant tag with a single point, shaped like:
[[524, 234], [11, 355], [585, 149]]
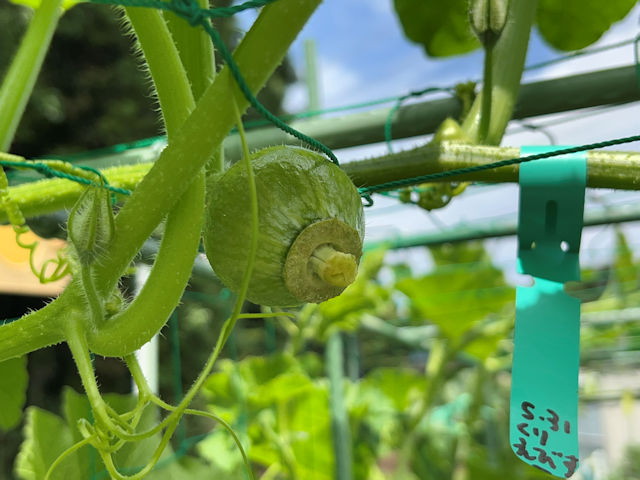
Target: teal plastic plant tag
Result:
[[546, 358]]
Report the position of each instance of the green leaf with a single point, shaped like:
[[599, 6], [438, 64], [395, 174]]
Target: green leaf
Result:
[[457, 295], [222, 453], [13, 391], [308, 426], [46, 437], [254, 383], [484, 346], [442, 28], [35, 4], [626, 271], [259, 370], [402, 386], [280, 389], [274, 393], [461, 253], [575, 24]]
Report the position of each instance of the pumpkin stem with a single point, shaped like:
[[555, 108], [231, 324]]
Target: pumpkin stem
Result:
[[334, 267]]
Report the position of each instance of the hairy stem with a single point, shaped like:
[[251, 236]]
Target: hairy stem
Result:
[[51, 195], [228, 325], [36, 330], [177, 167], [508, 58], [179, 164], [25, 67], [168, 73], [195, 49], [257, 56], [151, 308], [605, 169], [485, 109], [75, 337]]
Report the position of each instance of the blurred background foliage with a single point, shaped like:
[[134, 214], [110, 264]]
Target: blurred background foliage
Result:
[[425, 373], [92, 92]]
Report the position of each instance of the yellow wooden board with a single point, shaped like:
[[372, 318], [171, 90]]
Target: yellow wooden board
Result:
[[15, 275]]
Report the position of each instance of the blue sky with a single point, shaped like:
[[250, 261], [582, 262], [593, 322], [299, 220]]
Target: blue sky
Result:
[[363, 55]]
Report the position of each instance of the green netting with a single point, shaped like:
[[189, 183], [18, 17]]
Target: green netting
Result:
[[200, 17], [190, 11]]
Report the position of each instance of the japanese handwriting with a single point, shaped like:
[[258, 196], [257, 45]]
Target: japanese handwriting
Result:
[[536, 429]]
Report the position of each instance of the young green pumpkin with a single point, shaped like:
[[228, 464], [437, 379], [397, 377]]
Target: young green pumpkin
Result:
[[311, 227]]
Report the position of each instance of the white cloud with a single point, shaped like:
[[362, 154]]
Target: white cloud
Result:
[[296, 98], [337, 84], [380, 7]]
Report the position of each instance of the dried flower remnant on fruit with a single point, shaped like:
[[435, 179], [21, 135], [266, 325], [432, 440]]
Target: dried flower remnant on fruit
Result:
[[333, 266]]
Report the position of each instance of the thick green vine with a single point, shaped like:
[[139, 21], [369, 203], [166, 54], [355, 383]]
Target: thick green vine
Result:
[[258, 55], [23, 72], [507, 63], [102, 248]]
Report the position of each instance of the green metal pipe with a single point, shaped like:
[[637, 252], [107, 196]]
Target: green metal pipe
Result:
[[606, 87], [311, 75], [341, 433], [605, 169]]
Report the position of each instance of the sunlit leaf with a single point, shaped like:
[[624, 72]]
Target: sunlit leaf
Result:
[[442, 28], [276, 394], [455, 296], [575, 24], [255, 383], [483, 347], [309, 427], [45, 437], [222, 453], [280, 389], [400, 385], [35, 4]]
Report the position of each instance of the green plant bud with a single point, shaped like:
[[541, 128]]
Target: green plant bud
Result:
[[311, 227], [405, 195], [90, 225], [450, 131], [488, 18], [115, 303]]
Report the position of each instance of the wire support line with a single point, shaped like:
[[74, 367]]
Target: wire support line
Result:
[[491, 166]]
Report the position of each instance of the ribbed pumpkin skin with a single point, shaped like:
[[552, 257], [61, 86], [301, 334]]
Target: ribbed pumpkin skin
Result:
[[295, 187]]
